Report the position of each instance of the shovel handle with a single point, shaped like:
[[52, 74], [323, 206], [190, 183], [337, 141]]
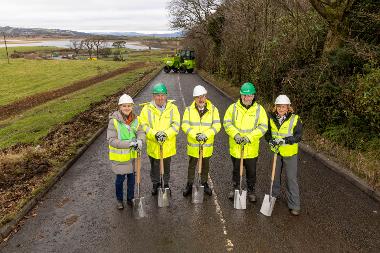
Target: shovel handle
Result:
[[200, 159], [138, 167], [273, 172], [161, 159], [241, 160]]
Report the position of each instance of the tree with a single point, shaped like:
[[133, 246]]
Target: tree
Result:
[[89, 45], [119, 44], [334, 12], [76, 45], [99, 44]]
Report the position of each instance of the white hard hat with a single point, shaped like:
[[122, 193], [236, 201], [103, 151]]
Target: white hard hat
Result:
[[199, 90], [282, 100], [125, 99]]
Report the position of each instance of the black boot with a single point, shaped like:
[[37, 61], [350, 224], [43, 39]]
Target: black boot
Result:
[[207, 189], [155, 189], [188, 189]]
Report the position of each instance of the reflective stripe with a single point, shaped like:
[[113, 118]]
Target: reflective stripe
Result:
[[263, 130], [175, 129], [280, 134], [188, 130], [205, 124], [150, 118], [257, 116], [227, 120], [176, 123], [120, 151], [185, 122], [171, 117], [213, 129], [147, 129], [197, 145], [291, 125], [215, 121], [233, 114], [245, 130]]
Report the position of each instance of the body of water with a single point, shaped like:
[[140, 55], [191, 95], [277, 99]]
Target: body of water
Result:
[[67, 44]]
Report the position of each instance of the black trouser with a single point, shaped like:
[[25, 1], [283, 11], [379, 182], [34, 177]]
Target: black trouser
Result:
[[193, 161], [250, 169], [155, 170]]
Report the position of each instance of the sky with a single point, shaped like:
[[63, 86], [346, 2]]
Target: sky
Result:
[[147, 16]]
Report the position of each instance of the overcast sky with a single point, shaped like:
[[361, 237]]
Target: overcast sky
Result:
[[87, 15]]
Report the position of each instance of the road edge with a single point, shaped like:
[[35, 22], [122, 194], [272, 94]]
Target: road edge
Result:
[[6, 229], [337, 168]]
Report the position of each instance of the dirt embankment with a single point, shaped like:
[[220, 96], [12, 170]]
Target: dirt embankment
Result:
[[40, 98], [25, 168]]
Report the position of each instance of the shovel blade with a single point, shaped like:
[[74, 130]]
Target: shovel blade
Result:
[[163, 197], [240, 199], [139, 208], [197, 194], [268, 205]]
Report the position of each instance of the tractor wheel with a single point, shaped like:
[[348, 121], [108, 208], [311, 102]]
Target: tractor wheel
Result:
[[167, 69], [175, 70], [190, 71], [182, 70]]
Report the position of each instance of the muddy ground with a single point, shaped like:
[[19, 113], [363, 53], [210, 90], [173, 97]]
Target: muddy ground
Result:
[[25, 168]]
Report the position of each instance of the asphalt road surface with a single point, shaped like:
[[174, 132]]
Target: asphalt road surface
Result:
[[79, 213]]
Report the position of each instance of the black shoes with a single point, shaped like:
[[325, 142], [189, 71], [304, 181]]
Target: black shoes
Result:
[[207, 189], [188, 190], [130, 202], [155, 189]]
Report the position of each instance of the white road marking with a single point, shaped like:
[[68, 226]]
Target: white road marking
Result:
[[229, 245]]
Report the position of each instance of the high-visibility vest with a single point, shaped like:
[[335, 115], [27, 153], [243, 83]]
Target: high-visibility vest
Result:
[[286, 129], [154, 120], [252, 123], [124, 132], [209, 125]]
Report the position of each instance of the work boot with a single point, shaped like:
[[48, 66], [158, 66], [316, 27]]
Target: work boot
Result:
[[130, 202], [120, 205], [188, 190], [251, 197], [207, 189], [294, 212], [231, 195], [155, 189]]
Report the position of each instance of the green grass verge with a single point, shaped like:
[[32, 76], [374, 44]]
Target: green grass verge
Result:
[[11, 50], [24, 78], [37, 122]]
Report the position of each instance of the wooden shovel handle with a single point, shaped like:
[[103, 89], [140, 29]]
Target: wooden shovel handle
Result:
[[161, 159], [138, 167], [241, 160], [200, 159], [274, 166]]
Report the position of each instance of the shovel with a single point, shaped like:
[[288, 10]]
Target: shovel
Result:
[[198, 188], [163, 193], [138, 203], [240, 197], [268, 202]]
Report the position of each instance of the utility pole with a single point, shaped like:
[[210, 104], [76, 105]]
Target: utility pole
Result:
[[6, 48]]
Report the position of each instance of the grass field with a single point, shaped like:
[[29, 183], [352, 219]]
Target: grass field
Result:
[[30, 126]]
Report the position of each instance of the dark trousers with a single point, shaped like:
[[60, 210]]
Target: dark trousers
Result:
[[193, 161], [130, 186], [155, 170], [250, 169]]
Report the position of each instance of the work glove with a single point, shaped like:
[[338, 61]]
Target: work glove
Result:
[[139, 144], [133, 144], [238, 139], [161, 136], [289, 140], [245, 140], [276, 142], [201, 137]]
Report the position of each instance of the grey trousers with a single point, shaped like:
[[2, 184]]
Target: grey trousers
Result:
[[289, 164], [155, 170]]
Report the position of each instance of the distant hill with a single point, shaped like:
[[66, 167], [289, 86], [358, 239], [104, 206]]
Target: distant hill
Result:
[[135, 34], [39, 32], [43, 32]]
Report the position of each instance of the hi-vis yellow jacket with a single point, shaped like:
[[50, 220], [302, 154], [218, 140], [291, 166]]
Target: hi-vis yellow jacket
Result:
[[153, 120], [285, 130], [209, 125], [252, 122]]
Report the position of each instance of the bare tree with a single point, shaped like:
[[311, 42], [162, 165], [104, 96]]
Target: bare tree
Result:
[[334, 12], [76, 45], [99, 43], [89, 45]]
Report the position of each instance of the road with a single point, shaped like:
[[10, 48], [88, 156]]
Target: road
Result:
[[79, 214]]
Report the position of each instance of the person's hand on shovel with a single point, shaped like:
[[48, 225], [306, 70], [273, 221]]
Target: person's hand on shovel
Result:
[[201, 137], [161, 136]]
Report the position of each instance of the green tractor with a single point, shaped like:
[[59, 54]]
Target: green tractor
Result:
[[183, 61]]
